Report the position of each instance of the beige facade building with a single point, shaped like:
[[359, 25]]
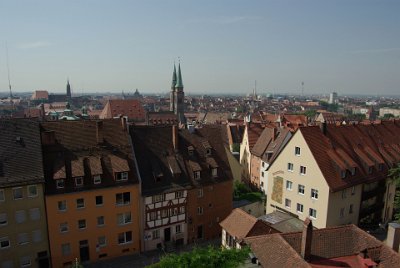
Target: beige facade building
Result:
[[336, 175], [23, 228]]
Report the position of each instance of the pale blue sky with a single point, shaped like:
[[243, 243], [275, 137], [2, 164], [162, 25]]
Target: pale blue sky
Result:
[[351, 46]]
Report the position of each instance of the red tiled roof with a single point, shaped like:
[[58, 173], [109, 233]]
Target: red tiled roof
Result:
[[253, 133], [40, 95], [131, 108], [238, 223]]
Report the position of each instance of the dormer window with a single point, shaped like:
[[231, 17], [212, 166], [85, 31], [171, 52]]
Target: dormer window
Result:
[[196, 175], [190, 150], [208, 151], [79, 181], [214, 172], [343, 174], [60, 184], [121, 176], [97, 179]]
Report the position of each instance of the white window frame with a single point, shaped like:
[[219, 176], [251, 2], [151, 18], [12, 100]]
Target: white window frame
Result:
[[299, 206], [301, 187], [34, 212], [158, 198], [303, 170], [83, 221], [297, 151], [32, 186], [288, 203], [96, 179], [22, 213], [312, 213], [25, 261], [60, 184], [290, 167], [214, 172], [22, 193], [155, 234], [178, 229], [314, 194], [77, 204], [23, 238], [126, 218], [121, 176], [289, 183], [78, 181], [179, 194], [125, 238]]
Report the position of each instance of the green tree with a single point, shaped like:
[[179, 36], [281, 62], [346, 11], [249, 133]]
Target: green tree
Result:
[[388, 116], [205, 257], [394, 174]]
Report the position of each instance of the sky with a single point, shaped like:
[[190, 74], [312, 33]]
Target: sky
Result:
[[224, 46]]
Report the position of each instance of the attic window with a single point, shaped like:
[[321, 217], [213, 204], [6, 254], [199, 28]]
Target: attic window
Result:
[[79, 181], [121, 176], [60, 184], [214, 172], [196, 175], [353, 171], [190, 150], [343, 174], [208, 151], [97, 179]]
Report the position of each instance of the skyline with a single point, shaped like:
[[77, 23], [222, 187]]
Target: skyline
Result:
[[352, 47]]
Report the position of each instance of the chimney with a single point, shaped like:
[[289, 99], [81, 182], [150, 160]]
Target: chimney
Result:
[[324, 127], [42, 112], [274, 133], [393, 236], [175, 137], [306, 239], [99, 132], [123, 122]]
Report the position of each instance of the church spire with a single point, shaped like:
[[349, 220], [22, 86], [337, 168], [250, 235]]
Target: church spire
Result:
[[173, 78], [68, 89], [179, 83]]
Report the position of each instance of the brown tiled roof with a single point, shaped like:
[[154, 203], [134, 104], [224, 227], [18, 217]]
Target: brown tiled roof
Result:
[[238, 223], [131, 108], [283, 250], [162, 118], [20, 153], [86, 148], [253, 133], [40, 95], [353, 146], [211, 161], [236, 133]]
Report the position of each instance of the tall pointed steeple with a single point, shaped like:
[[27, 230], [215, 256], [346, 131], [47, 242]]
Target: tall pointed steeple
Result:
[[179, 83], [68, 89], [172, 94], [173, 78]]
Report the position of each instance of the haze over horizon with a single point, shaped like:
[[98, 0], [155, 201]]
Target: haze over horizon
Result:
[[352, 47]]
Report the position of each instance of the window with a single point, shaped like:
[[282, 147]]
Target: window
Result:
[[200, 210], [178, 229], [351, 209], [313, 213], [32, 191], [214, 172], [4, 242], [66, 249], [80, 203], [97, 179], [99, 200], [2, 195], [60, 184], [179, 194], [81, 224], [153, 216], [123, 198], [3, 219], [20, 216], [23, 238], [341, 212], [79, 181], [297, 151], [100, 220], [288, 203], [122, 176], [34, 213], [25, 261], [353, 190], [182, 210], [344, 194], [101, 241], [196, 175], [158, 198], [62, 205], [353, 171], [125, 237], [156, 234], [343, 174], [17, 193], [289, 185], [290, 167], [262, 174], [124, 218], [63, 227], [263, 164], [37, 236], [314, 194], [164, 213], [301, 189], [303, 170], [200, 192], [208, 151], [300, 208]]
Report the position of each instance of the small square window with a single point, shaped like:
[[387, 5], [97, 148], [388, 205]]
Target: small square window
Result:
[[60, 184], [200, 210], [314, 194], [301, 189], [125, 237], [4, 242], [25, 261], [97, 179], [62, 205], [63, 227], [288, 203], [289, 185], [32, 191], [101, 241], [290, 167], [122, 176], [34, 214], [100, 221], [17, 193], [297, 151], [156, 234], [303, 170], [81, 224], [3, 219], [313, 213], [80, 203], [300, 208], [37, 236], [78, 181], [99, 200], [20, 216], [178, 194], [125, 218]]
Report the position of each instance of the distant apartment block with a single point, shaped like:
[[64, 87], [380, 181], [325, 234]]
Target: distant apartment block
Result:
[[383, 111]]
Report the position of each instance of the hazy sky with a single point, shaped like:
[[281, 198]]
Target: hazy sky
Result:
[[348, 46]]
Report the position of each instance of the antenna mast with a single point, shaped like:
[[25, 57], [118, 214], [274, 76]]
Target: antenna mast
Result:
[[302, 88], [8, 70]]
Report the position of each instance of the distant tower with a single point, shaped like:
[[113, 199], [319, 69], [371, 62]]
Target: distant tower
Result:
[[68, 90], [172, 94], [333, 98], [179, 97]]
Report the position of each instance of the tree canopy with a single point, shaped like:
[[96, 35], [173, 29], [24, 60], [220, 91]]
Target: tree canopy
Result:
[[205, 257], [394, 173]]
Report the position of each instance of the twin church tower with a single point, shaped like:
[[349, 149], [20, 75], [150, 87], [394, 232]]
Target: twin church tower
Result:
[[177, 96]]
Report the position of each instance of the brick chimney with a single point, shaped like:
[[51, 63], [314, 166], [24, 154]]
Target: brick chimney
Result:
[[306, 239], [393, 236], [324, 127], [99, 132], [274, 132], [175, 137], [123, 123]]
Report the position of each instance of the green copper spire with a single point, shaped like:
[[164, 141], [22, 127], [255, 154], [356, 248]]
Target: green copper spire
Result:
[[179, 80], [174, 78]]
